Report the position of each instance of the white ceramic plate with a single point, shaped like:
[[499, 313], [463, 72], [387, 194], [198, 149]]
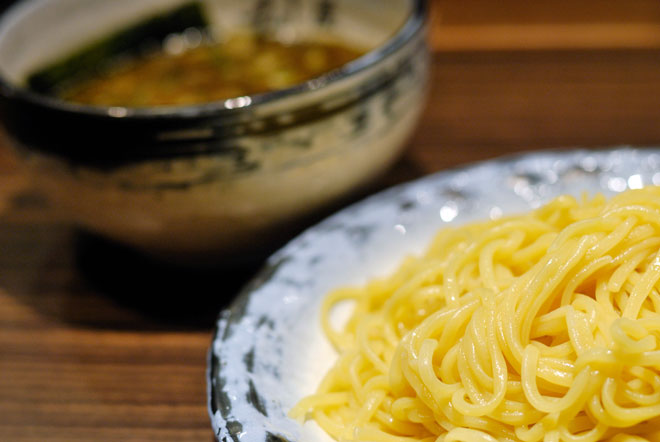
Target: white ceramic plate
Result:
[[269, 350]]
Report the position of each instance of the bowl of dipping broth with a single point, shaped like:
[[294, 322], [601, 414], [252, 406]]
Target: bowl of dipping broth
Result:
[[208, 128]]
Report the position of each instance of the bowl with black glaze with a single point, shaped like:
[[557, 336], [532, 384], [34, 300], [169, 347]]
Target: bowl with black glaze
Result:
[[216, 177]]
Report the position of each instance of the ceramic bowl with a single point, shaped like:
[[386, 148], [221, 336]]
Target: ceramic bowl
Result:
[[222, 176]]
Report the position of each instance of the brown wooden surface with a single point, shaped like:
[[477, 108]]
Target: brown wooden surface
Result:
[[99, 345]]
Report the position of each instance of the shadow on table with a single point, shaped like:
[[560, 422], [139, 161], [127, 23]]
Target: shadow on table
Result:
[[66, 276], [162, 292]]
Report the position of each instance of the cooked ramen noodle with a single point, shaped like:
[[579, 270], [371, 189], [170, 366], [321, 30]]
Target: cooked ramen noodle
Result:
[[537, 327]]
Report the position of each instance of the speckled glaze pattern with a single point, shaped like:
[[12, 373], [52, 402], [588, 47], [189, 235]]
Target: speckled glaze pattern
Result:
[[268, 350]]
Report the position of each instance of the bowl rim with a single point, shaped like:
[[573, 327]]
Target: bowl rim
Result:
[[415, 23]]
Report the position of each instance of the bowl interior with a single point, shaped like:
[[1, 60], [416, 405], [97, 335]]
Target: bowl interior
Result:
[[35, 33]]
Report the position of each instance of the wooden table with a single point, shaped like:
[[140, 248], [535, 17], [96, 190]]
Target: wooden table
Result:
[[86, 356]]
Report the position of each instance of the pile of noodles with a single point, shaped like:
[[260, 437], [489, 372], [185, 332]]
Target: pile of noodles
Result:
[[543, 326]]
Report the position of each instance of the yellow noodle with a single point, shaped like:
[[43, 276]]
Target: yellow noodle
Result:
[[542, 326]]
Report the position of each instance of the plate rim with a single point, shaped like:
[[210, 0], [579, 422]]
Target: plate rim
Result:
[[237, 307]]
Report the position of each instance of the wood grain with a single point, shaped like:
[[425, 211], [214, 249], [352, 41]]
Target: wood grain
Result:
[[98, 344], [546, 24]]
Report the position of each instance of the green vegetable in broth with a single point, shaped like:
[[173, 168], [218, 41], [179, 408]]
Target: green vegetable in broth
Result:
[[170, 60], [130, 41]]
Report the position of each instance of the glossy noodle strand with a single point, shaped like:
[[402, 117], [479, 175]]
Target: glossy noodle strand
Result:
[[543, 326]]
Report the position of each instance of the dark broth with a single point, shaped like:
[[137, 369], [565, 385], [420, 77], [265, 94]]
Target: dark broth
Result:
[[243, 65]]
